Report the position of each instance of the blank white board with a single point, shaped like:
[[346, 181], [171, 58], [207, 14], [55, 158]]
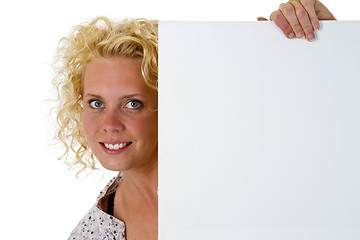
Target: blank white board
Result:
[[259, 135]]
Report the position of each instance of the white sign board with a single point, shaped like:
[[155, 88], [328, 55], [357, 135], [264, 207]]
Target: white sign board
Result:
[[259, 135]]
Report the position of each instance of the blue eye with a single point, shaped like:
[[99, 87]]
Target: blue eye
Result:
[[134, 104], [96, 104]]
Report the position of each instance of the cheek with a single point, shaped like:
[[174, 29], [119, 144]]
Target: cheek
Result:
[[88, 125], [147, 128]]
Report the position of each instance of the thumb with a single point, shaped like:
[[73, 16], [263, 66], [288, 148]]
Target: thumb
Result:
[[261, 19]]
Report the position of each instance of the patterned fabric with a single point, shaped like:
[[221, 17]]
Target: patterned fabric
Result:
[[99, 225]]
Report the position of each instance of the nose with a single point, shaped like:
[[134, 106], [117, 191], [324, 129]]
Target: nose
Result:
[[113, 122]]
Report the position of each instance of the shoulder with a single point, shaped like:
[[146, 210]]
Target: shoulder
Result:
[[98, 224]]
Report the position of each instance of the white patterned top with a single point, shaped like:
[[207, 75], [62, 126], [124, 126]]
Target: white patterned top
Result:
[[97, 224]]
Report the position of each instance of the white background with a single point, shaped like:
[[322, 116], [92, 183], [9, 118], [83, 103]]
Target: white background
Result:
[[40, 198]]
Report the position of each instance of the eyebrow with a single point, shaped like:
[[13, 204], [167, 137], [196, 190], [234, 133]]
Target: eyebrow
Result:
[[99, 97]]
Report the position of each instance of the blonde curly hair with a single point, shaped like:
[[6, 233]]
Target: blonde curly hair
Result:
[[101, 37]]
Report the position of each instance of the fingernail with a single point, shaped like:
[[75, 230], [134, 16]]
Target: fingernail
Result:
[[301, 35], [291, 35], [311, 37], [317, 26]]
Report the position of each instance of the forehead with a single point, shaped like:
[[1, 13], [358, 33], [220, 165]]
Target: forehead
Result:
[[115, 73]]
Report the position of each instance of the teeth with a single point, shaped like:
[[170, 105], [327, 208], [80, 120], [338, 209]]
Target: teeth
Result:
[[116, 146]]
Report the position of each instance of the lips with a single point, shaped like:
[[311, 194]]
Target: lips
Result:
[[115, 148]]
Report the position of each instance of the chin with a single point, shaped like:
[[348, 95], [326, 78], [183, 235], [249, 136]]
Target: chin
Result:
[[113, 163], [114, 166]]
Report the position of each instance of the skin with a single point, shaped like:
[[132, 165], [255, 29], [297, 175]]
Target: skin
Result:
[[110, 115], [300, 18]]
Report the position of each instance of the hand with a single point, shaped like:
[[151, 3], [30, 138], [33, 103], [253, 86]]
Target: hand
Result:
[[300, 18]]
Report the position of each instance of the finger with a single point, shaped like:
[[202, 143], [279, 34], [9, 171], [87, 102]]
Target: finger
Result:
[[309, 6], [289, 13], [261, 19], [322, 12], [282, 23], [304, 20]]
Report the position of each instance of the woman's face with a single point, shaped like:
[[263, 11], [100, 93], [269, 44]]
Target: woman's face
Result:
[[120, 114]]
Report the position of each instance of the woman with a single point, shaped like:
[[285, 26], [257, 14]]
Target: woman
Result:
[[108, 103], [107, 84]]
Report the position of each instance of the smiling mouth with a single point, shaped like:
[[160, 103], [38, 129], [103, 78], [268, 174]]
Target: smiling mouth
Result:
[[116, 146]]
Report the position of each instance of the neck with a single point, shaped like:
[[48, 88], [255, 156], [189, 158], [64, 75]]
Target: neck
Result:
[[141, 185], [136, 202]]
